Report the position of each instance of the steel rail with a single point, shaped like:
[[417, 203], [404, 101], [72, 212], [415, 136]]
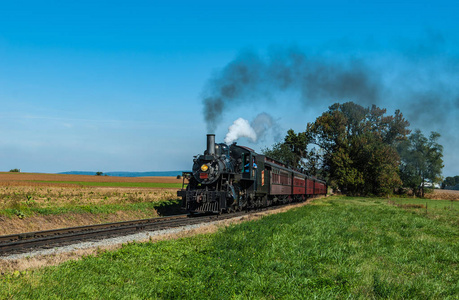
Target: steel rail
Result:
[[51, 238], [59, 231], [19, 243], [23, 242]]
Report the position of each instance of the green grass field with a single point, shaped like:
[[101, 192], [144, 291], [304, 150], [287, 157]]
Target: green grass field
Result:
[[445, 211], [339, 247]]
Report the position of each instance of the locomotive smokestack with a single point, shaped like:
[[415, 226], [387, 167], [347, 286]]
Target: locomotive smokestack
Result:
[[211, 144]]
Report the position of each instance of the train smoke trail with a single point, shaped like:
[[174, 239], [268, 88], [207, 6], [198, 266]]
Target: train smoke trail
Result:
[[418, 76], [254, 131], [422, 76], [251, 77], [264, 123]]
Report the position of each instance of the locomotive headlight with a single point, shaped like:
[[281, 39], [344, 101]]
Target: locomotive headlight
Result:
[[204, 168]]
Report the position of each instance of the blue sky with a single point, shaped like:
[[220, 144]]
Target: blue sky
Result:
[[118, 85]]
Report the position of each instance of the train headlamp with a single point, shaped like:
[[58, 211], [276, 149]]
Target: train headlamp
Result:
[[204, 167]]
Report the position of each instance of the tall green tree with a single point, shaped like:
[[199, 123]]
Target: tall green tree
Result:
[[291, 151], [314, 165], [361, 150], [283, 153], [358, 147], [421, 160], [351, 146], [297, 143]]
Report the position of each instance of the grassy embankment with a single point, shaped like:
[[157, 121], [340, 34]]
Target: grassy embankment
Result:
[[336, 248]]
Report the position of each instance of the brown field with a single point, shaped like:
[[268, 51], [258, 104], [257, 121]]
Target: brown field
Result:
[[443, 195], [19, 191], [21, 179]]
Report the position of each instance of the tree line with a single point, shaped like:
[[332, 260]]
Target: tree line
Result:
[[451, 182], [363, 151]]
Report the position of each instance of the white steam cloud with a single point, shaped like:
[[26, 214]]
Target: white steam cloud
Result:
[[240, 128], [254, 131]]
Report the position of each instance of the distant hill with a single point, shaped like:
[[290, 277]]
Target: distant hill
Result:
[[127, 174]]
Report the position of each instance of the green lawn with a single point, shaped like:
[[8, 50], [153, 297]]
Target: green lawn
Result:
[[336, 248], [445, 211]]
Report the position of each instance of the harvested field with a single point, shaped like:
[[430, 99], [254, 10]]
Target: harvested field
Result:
[[31, 202], [443, 195], [38, 179], [63, 196]]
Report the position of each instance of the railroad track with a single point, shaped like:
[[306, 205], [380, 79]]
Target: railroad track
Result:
[[26, 242]]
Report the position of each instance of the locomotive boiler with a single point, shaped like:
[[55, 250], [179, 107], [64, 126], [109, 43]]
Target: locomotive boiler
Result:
[[227, 178]]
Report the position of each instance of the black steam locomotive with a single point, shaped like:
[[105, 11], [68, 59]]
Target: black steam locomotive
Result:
[[229, 178]]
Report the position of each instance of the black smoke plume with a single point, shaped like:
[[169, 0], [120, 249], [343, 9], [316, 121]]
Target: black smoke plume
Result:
[[420, 78], [251, 77]]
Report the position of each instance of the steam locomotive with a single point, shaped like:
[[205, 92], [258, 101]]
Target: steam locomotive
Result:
[[228, 178]]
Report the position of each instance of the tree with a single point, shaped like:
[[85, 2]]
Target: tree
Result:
[[99, 173], [450, 181], [297, 144], [314, 164], [421, 160], [358, 147], [281, 152], [350, 146]]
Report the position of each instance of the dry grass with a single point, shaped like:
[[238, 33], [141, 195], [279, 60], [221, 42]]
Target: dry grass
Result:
[[63, 180], [64, 196], [18, 191], [38, 223], [16, 187], [406, 206], [443, 195], [55, 197]]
